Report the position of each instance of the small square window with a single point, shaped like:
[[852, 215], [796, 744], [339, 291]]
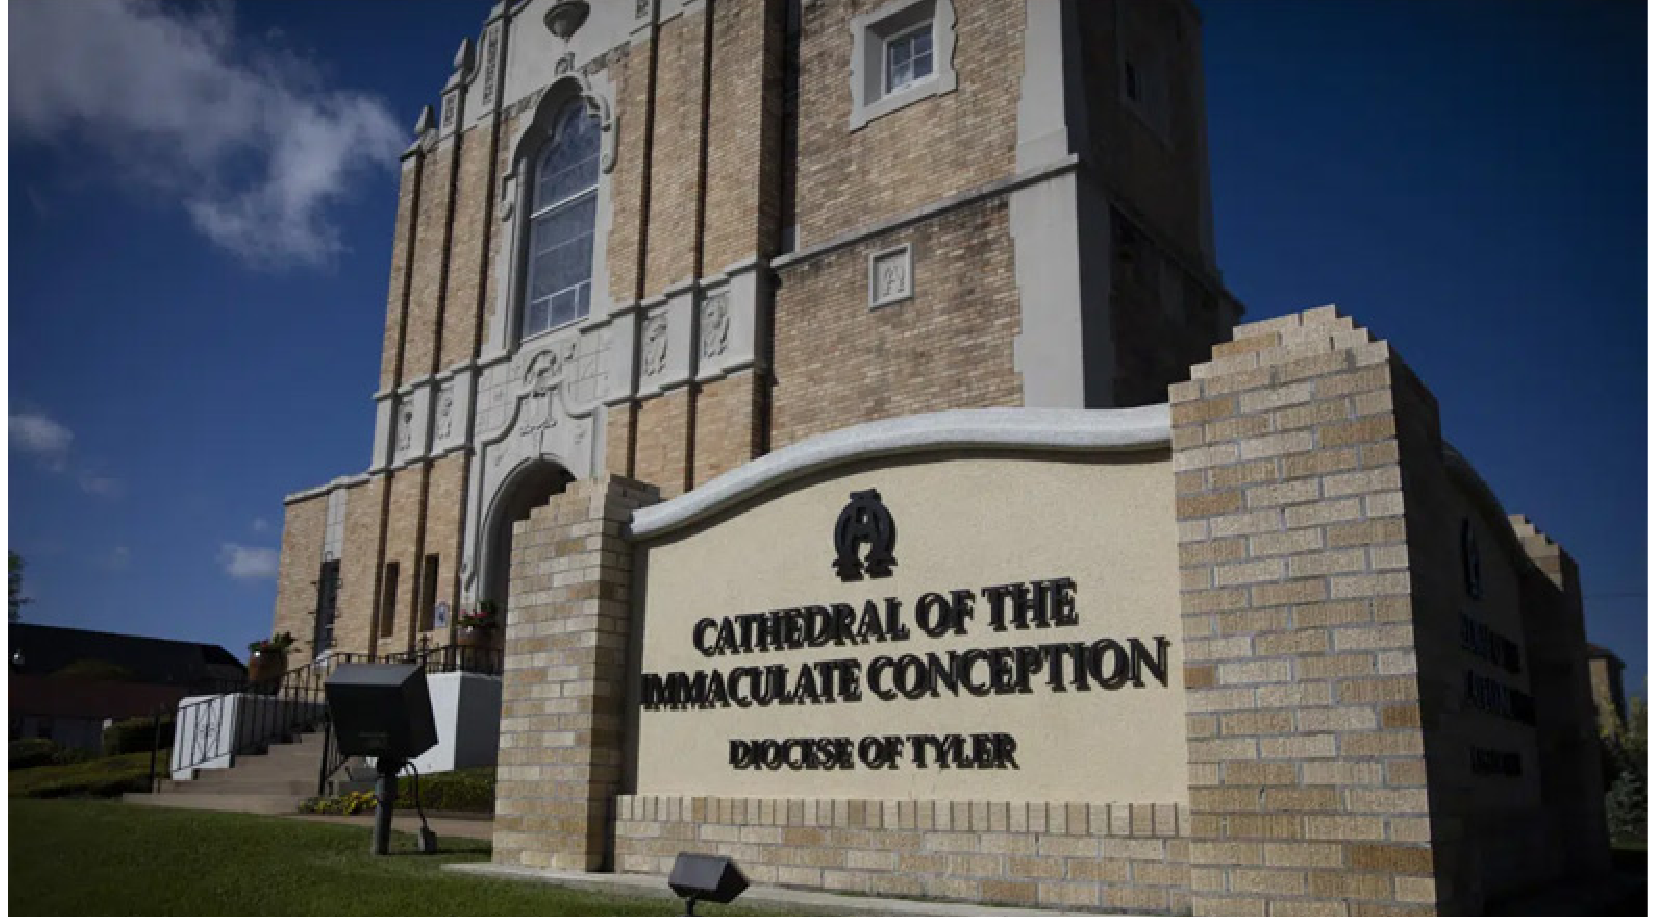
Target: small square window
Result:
[[909, 57], [902, 52]]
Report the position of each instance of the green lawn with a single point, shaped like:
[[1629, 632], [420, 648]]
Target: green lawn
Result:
[[92, 858]]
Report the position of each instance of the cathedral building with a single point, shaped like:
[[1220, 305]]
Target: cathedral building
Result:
[[841, 402], [662, 239]]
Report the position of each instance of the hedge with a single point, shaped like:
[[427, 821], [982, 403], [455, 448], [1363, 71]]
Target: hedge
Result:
[[136, 734], [470, 791], [31, 753], [99, 777]]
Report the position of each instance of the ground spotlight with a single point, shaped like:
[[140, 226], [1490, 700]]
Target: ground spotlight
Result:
[[383, 712], [699, 877]]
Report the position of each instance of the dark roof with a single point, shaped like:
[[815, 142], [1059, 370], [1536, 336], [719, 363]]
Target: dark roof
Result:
[[47, 650], [1595, 650]]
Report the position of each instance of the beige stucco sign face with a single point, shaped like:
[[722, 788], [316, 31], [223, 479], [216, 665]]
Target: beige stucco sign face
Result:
[[948, 627]]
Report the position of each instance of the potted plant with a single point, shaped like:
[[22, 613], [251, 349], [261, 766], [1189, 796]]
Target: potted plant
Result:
[[480, 627], [269, 658]]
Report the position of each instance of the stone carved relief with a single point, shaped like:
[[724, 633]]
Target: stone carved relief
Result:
[[491, 48], [450, 103], [716, 325], [405, 428], [653, 353], [641, 9], [445, 412]]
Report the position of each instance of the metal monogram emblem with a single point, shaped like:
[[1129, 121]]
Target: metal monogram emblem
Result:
[[864, 521]]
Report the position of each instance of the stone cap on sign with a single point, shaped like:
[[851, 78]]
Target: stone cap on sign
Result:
[[1032, 429]]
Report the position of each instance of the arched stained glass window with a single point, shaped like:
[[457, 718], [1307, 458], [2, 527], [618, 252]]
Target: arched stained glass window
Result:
[[558, 262]]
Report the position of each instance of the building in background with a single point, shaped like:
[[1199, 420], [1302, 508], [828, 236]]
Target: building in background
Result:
[[1605, 675], [66, 684]]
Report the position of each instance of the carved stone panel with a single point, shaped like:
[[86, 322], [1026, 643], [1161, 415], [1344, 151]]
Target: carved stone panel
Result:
[[653, 350], [716, 325]]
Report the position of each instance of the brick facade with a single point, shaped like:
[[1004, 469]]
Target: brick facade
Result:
[[563, 699], [1122, 856], [732, 146], [1323, 600]]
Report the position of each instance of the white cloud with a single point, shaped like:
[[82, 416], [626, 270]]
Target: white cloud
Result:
[[42, 437], [239, 129], [100, 485], [261, 524], [118, 559], [245, 562]]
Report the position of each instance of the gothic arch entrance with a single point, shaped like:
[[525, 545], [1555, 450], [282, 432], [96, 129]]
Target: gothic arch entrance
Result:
[[529, 486]]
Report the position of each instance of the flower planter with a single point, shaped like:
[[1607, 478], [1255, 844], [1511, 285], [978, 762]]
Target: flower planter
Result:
[[266, 666]]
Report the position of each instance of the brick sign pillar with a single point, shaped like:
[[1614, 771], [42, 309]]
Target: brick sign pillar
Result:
[[1308, 760], [568, 622]]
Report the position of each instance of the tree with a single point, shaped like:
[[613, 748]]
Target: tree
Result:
[[15, 597], [1625, 802]]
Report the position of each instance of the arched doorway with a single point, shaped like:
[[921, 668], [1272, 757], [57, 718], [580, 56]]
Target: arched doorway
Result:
[[528, 487]]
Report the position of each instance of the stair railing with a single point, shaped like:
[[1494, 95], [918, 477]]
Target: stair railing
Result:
[[258, 714], [479, 660]]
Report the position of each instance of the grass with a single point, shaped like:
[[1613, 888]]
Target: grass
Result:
[[109, 776], [94, 858]]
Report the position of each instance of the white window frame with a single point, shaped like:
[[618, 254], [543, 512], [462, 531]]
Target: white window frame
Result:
[[886, 58], [872, 34]]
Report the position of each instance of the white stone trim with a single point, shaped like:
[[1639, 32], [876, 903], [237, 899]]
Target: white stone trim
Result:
[[906, 252], [1032, 429], [868, 63]]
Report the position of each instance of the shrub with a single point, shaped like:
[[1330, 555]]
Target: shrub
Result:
[[453, 791], [349, 804], [72, 755], [137, 734], [31, 753]]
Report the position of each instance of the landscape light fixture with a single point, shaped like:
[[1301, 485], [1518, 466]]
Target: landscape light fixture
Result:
[[384, 712], [700, 877]]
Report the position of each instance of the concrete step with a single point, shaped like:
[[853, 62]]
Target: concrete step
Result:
[[230, 784], [254, 803]]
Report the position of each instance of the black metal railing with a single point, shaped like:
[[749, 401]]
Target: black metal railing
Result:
[[251, 716], [479, 660], [217, 729]]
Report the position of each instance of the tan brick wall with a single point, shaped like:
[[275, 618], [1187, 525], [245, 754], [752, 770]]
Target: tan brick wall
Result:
[[675, 157], [618, 439], [470, 231], [303, 528], [838, 362], [445, 504], [565, 677], [1118, 856], [727, 425], [408, 191], [1159, 178], [744, 108], [359, 568], [929, 150], [662, 438], [1308, 776], [630, 71], [426, 277], [402, 524]]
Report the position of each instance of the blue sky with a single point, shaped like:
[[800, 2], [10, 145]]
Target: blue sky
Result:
[[201, 204]]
